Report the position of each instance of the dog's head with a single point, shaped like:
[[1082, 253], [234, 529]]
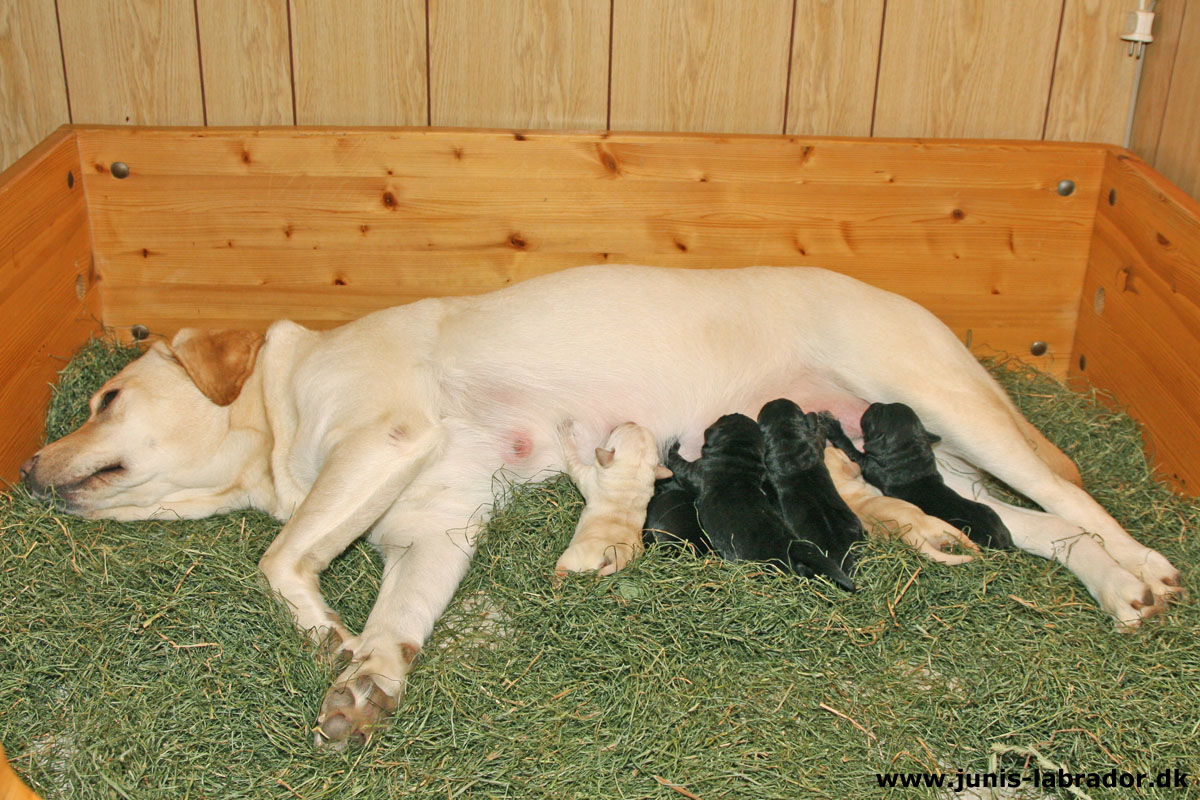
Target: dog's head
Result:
[[157, 433], [794, 440], [632, 444], [893, 435], [733, 445]]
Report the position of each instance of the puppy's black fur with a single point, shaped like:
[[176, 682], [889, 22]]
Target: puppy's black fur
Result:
[[803, 490], [733, 510], [671, 518], [898, 458]]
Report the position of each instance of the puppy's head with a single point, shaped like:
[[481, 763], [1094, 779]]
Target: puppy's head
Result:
[[155, 431], [630, 443], [893, 431], [734, 443], [793, 439]]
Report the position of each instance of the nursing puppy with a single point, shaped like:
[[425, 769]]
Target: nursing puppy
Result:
[[671, 518], [740, 522], [898, 458], [617, 489], [894, 516], [803, 490]]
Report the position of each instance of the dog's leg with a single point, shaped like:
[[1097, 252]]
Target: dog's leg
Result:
[[360, 479], [427, 551], [1121, 592]]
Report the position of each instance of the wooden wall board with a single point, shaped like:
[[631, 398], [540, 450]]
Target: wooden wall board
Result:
[[1142, 341], [966, 68], [1178, 154], [360, 62], [1093, 74], [521, 63], [246, 60], [1159, 63], [33, 94], [46, 282], [700, 65], [244, 226], [835, 62], [132, 61]]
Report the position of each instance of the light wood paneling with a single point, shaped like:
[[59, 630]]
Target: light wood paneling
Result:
[[1093, 75], [1143, 341], [1156, 79], [33, 95], [132, 61], [975, 68], [1178, 153], [46, 284], [241, 227], [359, 62], [700, 65], [246, 62], [520, 63], [835, 59]]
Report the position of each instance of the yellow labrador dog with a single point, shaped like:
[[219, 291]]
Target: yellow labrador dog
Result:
[[395, 424]]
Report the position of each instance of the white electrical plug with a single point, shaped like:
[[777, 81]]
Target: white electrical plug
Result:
[[1138, 25]]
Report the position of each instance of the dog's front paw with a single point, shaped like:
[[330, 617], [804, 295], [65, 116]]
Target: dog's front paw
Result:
[[354, 710], [1160, 575], [604, 557]]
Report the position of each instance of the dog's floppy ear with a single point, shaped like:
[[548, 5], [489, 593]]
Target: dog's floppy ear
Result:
[[218, 362], [604, 457]]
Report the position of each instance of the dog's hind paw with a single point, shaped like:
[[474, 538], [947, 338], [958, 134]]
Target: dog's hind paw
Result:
[[1130, 602], [1159, 574], [353, 710]]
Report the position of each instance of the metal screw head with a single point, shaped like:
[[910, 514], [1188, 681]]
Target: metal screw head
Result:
[[119, 169], [139, 332], [1082, 362], [1038, 348], [1112, 197], [1066, 187], [70, 180]]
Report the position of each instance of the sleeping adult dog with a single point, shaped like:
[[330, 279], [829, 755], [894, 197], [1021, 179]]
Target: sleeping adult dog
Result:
[[395, 425]]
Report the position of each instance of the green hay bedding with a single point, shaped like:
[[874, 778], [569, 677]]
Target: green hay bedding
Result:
[[149, 660]]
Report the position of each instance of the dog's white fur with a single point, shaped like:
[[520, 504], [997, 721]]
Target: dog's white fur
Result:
[[396, 424], [616, 488], [893, 517]]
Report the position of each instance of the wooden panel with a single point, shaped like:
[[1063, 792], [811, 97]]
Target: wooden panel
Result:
[[359, 62], [45, 267], [1159, 61], [966, 68], [132, 61], [835, 60], [33, 94], [246, 62], [239, 227], [1178, 154], [1144, 344], [700, 65], [11, 785], [1093, 75], [521, 63]]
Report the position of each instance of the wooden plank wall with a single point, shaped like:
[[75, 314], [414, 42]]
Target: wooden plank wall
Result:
[[47, 282], [1139, 315], [1028, 69], [1167, 122]]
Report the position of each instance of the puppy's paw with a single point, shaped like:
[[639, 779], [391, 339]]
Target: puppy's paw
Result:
[[354, 709], [604, 557]]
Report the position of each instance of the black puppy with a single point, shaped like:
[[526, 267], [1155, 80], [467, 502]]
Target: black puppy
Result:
[[733, 510], [671, 518], [898, 459], [803, 490]]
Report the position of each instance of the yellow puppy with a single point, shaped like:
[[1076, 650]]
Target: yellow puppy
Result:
[[895, 517], [617, 489]]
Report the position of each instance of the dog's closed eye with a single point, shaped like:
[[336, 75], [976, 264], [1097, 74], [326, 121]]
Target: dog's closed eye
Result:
[[107, 399]]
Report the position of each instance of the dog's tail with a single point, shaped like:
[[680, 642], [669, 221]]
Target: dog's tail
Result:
[[807, 558]]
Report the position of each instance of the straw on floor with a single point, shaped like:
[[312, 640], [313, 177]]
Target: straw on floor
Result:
[[148, 659]]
